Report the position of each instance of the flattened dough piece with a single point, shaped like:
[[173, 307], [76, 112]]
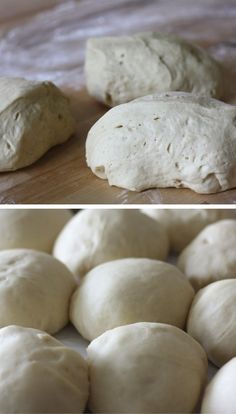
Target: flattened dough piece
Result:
[[34, 116], [39, 374], [167, 140], [145, 368], [119, 69], [211, 256]]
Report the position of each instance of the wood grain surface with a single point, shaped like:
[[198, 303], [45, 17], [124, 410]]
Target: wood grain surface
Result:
[[47, 42]]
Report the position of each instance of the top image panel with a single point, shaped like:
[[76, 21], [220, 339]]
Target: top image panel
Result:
[[118, 102]]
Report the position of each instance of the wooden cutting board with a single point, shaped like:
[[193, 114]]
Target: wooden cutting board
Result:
[[49, 44]]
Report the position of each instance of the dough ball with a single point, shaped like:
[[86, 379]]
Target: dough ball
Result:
[[31, 229], [220, 397], [119, 69], [96, 236], [184, 225], [35, 290], [145, 368], [212, 255], [39, 374], [34, 116], [171, 139], [212, 320], [127, 291]]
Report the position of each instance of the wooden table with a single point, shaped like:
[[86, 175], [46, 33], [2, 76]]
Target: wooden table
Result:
[[49, 44]]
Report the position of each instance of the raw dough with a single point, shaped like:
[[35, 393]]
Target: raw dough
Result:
[[183, 225], [145, 368], [119, 69], [96, 236], [34, 116], [172, 139], [35, 290], [31, 229], [39, 374], [211, 255], [220, 396], [127, 291], [212, 320]]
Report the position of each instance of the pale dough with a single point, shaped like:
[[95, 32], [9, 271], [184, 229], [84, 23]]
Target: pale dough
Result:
[[127, 291], [212, 320], [39, 374], [184, 225], [34, 116], [31, 229], [211, 255], [35, 290], [119, 69], [145, 368], [96, 236], [171, 139]]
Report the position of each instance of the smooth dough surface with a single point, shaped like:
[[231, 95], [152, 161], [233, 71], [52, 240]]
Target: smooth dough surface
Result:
[[35, 290], [31, 229], [184, 225], [39, 374], [96, 236], [211, 256], [119, 69], [212, 320], [127, 291], [173, 139], [220, 396], [145, 368], [34, 116]]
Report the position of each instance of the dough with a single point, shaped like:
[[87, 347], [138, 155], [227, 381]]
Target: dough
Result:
[[32, 229], [96, 236], [119, 69], [220, 397], [35, 290], [183, 225], [39, 374], [168, 140], [127, 291], [212, 255], [34, 116], [212, 320], [145, 368]]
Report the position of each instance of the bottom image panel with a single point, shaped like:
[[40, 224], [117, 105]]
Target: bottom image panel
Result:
[[117, 311]]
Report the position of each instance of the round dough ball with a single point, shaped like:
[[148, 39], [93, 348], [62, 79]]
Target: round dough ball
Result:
[[96, 236], [127, 291], [39, 374], [145, 368], [119, 69], [184, 225], [35, 290], [172, 139], [212, 255], [31, 229], [212, 320], [220, 397]]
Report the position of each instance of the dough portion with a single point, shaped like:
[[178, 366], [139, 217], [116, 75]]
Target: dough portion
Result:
[[119, 69], [35, 290], [31, 229], [220, 397], [127, 291], [171, 139], [34, 116], [39, 374], [97, 236], [211, 256], [212, 320], [184, 225], [145, 368]]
